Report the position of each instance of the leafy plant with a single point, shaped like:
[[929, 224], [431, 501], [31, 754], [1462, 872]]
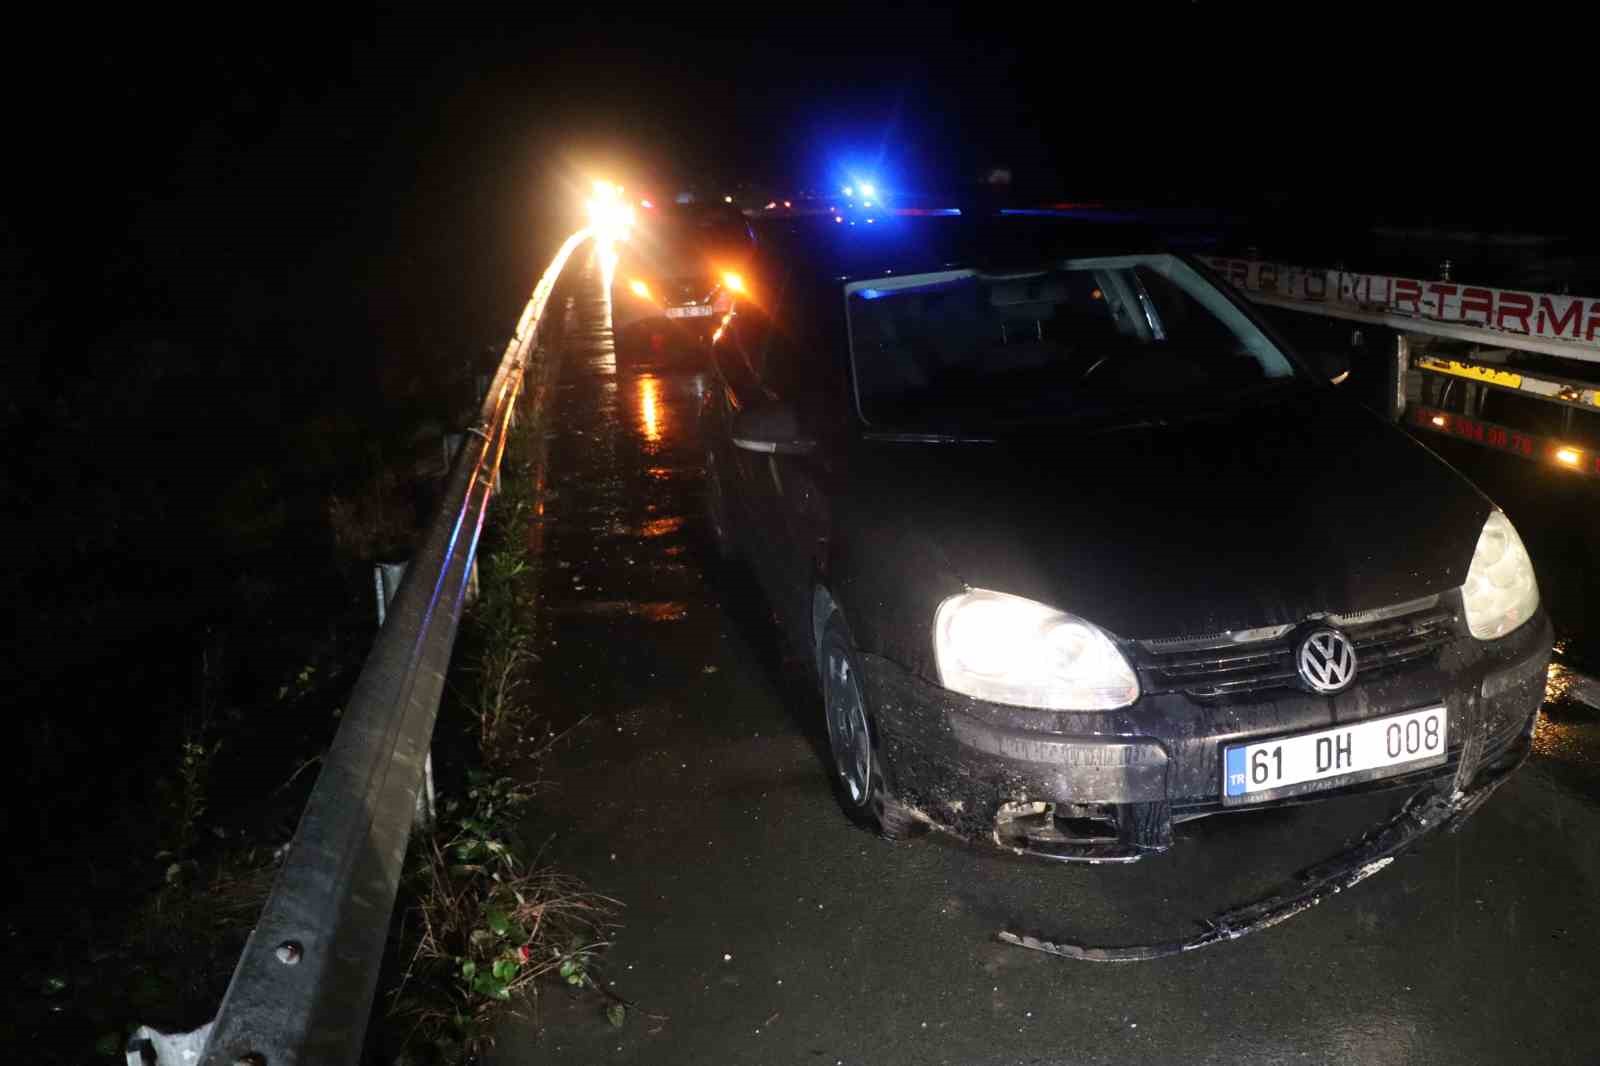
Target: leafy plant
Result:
[[490, 925], [484, 829]]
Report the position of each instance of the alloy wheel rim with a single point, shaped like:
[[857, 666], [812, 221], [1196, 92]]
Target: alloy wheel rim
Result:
[[847, 729]]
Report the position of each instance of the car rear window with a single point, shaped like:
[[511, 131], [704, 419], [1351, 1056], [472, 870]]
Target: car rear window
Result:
[[1109, 335]]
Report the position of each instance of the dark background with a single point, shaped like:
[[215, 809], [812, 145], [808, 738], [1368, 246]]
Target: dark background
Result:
[[373, 178], [251, 259]]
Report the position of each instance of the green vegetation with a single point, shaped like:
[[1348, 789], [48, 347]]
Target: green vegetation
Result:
[[487, 924]]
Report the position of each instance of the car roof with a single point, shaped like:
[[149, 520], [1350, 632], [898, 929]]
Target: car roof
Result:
[[898, 244]]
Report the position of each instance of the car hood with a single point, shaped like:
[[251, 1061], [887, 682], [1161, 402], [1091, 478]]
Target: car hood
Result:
[[1255, 517]]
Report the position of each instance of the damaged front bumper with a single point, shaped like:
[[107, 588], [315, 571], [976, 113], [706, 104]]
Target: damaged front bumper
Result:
[[1424, 813], [1110, 786]]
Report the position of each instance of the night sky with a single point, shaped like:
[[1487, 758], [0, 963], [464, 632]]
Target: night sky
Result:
[[399, 175]]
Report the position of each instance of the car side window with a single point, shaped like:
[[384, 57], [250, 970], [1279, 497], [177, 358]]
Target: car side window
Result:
[[765, 342]]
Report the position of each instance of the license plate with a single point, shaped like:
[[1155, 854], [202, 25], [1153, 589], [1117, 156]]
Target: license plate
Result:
[[1402, 741], [693, 311]]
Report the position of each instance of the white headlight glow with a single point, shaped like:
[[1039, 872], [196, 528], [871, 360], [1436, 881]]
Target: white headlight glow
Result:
[[1501, 592], [1004, 648]]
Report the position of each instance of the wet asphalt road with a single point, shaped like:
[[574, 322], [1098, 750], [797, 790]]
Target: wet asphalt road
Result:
[[761, 927]]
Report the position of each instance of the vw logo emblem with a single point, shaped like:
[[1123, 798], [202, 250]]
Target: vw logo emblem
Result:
[[1326, 661]]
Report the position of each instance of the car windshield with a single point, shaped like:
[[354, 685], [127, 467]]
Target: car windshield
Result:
[[1120, 337]]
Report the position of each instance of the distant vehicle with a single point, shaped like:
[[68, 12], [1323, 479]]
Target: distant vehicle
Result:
[[678, 272], [1082, 550]]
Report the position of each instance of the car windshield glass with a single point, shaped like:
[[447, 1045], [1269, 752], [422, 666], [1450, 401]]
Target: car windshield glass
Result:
[[1109, 337]]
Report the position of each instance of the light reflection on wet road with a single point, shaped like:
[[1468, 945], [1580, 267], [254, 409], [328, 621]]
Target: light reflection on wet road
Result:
[[766, 929]]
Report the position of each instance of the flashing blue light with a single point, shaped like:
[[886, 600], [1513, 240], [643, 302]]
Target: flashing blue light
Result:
[[848, 191], [867, 189], [871, 294]]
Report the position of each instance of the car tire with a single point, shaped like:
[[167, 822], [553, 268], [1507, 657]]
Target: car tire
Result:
[[717, 510], [856, 769]]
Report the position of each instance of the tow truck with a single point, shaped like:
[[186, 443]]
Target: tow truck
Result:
[[1508, 370]]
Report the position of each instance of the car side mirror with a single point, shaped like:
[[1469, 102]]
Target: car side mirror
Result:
[[770, 428], [1333, 364]]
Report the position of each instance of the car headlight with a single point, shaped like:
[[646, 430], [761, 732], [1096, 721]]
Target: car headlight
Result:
[[1501, 592], [1011, 650]]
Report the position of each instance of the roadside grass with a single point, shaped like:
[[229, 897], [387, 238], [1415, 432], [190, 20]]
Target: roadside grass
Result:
[[189, 932], [504, 618], [191, 888]]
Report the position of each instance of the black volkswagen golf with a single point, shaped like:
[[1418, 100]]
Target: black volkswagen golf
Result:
[[1082, 550]]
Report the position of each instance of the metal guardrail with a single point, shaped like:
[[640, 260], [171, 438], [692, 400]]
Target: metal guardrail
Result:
[[302, 991]]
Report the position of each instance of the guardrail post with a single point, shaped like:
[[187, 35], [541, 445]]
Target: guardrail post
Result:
[[422, 819], [388, 576]]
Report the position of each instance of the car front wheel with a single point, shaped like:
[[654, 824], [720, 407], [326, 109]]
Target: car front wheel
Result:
[[857, 770]]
